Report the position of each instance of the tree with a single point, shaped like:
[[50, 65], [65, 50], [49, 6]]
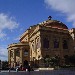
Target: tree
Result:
[[46, 60], [53, 61], [4, 64]]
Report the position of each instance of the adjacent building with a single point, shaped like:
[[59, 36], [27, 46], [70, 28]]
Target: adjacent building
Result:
[[49, 38]]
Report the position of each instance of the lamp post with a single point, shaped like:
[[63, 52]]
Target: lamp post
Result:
[[9, 67], [38, 59], [34, 61]]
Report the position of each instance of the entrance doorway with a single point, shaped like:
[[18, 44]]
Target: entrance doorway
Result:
[[25, 64]]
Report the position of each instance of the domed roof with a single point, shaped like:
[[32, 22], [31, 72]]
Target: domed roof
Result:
[[54, 24]]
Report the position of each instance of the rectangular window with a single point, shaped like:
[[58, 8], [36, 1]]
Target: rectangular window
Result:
[[56, 43], [45, 43]]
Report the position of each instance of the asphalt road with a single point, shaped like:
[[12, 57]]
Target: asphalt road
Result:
[[52, 72]]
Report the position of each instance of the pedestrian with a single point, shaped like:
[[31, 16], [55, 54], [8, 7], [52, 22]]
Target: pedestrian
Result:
[[29, 68], [16, 69], [9, 69]]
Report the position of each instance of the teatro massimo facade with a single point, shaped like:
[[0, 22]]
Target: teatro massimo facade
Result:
[[49, 38]]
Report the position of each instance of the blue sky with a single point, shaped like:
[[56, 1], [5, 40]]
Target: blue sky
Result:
[[18, 15]]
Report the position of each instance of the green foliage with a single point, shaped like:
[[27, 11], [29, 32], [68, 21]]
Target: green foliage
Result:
[[4, 64], [52, 61]]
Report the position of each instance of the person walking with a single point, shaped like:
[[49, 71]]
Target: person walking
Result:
[[29, 68]]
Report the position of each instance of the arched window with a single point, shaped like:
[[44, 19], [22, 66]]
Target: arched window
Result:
[[56, 43], [45, 43], [65, 44], [17, 53], [25, 52]]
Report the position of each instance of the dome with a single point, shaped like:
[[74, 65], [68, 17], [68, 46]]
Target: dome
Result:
[[54, 24]]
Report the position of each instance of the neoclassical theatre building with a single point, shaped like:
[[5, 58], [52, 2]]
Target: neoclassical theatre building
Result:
[[51, 37]]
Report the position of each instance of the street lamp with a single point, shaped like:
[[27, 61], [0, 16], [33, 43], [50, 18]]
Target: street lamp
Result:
[[38, 59], [34, 61]]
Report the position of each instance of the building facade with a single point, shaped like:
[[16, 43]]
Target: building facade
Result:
[[51, 37]]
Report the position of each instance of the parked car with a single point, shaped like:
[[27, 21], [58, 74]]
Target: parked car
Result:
[[23, 69], [19, 68]]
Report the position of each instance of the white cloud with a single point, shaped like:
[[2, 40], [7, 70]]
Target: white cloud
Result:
[[5, 39], [3, 52], [18, 38], [2, 34], [6, 22], [64, 6]]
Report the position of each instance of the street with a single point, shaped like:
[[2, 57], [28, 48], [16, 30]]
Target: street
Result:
[[50, 72]]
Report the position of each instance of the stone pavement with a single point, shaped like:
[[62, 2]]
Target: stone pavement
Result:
[[51, 72]]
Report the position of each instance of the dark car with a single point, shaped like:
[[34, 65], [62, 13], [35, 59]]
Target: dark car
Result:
[[20, 68]]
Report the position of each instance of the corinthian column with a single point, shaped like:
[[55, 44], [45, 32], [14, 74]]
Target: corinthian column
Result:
[[9, 57], [21, 56], [14, 56]]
